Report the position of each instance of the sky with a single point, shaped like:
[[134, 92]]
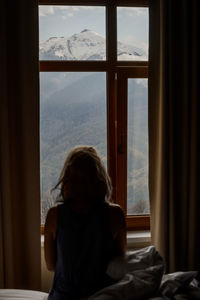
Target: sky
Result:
[[64, 21]]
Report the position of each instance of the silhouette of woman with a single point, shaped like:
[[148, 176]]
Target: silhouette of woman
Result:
[[85, 231]]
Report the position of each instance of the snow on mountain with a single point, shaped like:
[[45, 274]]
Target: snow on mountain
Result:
[[86, 45]]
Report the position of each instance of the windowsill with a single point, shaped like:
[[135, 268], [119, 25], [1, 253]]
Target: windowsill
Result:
[[135, 239], [138, 239]]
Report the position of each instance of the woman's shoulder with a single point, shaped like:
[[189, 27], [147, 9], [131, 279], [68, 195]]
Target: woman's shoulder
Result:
[[115, 210], [117, 218], [52, 213]]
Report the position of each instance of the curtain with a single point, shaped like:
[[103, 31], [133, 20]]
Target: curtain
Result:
[[20, 262], [173, 132]]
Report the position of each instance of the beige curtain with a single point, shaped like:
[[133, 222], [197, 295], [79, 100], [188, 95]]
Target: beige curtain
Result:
[[173, 132], [20, 264]]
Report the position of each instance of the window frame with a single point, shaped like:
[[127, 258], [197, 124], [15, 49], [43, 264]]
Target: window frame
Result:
[[115, 71]]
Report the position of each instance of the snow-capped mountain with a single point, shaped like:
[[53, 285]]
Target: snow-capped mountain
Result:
[[86, 45]]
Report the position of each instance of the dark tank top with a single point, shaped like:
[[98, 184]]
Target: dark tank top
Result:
[[84, 247]]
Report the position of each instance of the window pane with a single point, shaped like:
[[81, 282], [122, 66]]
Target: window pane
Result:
[[72, 33], [137, 167], [132, 33], [72, 112]]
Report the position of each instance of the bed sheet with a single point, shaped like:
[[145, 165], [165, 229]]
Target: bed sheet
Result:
[[17, 294], [141, 275]]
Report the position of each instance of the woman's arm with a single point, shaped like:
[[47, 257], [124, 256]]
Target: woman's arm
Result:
[[50, 238], [118, 227]]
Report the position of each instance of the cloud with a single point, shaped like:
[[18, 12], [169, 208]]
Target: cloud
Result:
[[82, 8], [88, 8], [70, 15], [129, 39], [62, 8], [45, 10], [133, 11], [142, 81]]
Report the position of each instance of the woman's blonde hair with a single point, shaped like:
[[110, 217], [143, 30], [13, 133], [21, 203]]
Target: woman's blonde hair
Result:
[[85, 159]]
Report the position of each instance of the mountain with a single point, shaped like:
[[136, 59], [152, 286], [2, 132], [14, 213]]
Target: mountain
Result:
[[86, 45]]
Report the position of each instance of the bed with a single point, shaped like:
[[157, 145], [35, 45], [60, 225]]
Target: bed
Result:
[[139, 275], [14, 294]]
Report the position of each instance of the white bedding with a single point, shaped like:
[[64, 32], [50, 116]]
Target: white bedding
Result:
[[140, 272], [15, 294]]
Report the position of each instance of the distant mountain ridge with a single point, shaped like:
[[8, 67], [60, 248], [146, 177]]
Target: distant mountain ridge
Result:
[[86, 45]]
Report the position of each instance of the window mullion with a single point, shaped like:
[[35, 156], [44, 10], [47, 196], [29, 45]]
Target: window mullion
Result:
[[73, 2], [111, 35], [137, 3], [112, 129], [111, 53], [122, 140], [73, 66]]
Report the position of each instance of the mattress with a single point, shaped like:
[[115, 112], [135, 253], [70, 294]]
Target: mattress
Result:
[[17, 294]]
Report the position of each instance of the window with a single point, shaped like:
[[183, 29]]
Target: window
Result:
[[93, 91]]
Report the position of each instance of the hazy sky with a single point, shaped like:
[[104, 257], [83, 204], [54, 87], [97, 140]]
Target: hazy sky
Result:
[[67, 20]]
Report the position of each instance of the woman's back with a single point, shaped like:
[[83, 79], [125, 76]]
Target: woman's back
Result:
[[85, 232], [84, 245]]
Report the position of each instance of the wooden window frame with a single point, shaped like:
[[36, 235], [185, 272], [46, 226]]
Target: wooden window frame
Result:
[[116, 71]]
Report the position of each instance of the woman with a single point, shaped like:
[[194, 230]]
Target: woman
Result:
[[85, 231]]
